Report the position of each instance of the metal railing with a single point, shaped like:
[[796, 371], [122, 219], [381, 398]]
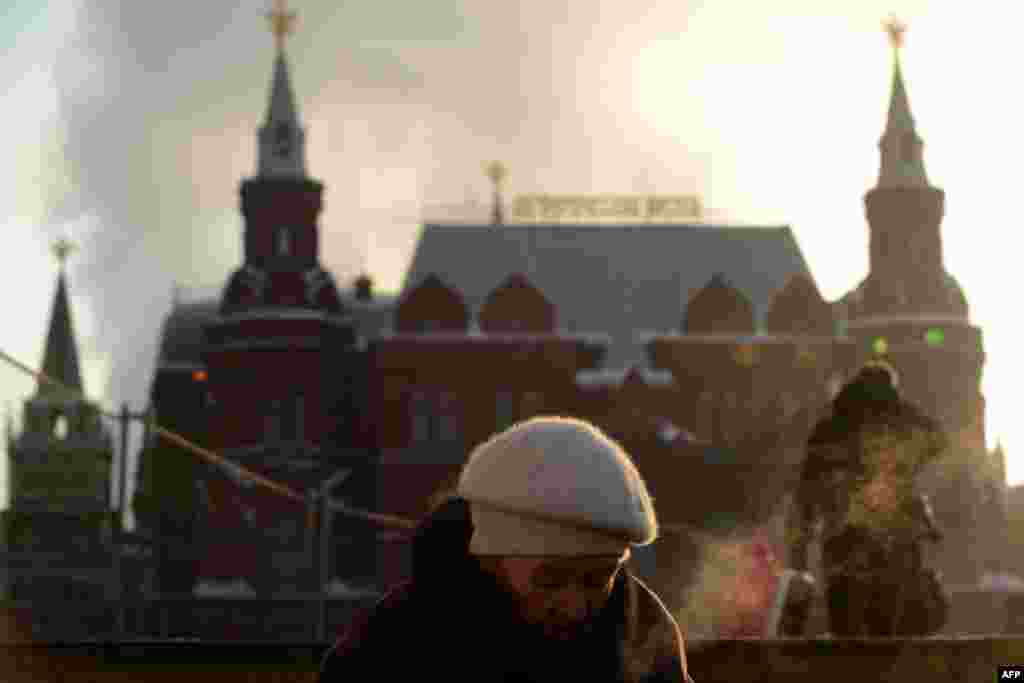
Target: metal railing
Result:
[[127, 575], [298, 618], [111, 575], [44, 586]]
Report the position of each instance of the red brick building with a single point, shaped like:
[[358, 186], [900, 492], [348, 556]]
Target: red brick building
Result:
[[266, 377], [699, 346]]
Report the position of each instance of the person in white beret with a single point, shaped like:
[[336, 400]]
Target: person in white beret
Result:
[[522, 574]]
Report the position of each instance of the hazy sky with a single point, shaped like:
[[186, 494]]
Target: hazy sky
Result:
[[129, 126]]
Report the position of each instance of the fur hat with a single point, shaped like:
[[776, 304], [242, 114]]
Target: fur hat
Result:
[[555, 486]]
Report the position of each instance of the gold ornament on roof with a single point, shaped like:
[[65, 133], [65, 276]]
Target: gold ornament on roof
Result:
[[745, 355], [62, 248], [281, 22], [496, 171], [895, 28]]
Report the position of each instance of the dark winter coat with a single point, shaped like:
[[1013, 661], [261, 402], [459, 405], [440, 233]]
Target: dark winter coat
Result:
[[452, 623], [842, 463], [859, 478]]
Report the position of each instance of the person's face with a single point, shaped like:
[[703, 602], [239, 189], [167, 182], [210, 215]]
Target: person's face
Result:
[[561, 596]]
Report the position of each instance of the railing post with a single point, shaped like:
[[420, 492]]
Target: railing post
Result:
[[164, 618], [309, 583], [118, 585], [118, 527], [323, 570]]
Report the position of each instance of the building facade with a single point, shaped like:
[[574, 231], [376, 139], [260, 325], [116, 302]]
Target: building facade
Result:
[[707, 349], [717, 332]]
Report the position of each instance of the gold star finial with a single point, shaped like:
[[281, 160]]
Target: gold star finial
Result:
[[281, 22], [895, 28], [496, 171], [62, 248]]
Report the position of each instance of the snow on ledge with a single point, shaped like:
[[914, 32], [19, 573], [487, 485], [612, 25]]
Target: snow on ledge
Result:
[[1001, 583], [881, 321], [614, 377], [286, 313], [476, 334], [339, 589], [211, 588]]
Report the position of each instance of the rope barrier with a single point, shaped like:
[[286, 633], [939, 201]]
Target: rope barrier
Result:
[[218, 460]]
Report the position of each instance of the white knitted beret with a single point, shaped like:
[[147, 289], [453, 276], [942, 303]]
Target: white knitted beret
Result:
[[555, 486]]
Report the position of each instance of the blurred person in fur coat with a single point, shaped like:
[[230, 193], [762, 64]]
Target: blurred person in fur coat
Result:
[[858, 483], [523, 575]]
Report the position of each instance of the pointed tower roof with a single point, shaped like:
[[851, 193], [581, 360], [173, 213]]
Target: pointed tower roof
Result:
[[282, 141], [899, 117], [999, 458], [902, 159], [60, 357], [282, 99]]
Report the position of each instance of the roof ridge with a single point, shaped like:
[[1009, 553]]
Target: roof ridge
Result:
[[604, 226]]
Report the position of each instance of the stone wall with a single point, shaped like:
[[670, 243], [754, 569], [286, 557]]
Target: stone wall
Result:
[[216, 619], [793, 661]]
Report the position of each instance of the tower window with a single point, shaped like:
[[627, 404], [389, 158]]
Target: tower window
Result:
[[908, 148], [272, 424], [60, 427], [420, 414], [448, 428], [284, 242], [705, 415], [282, 139], [506, 409], [935, 337], [291, 420], [434, 417]]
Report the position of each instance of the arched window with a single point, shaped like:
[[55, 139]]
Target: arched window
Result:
[[284, 420], [730, 421], [292, 418], [705, 418], [434, 416], [61, 427], [272, 423], [449, 428], [908, 147], [506, 408], [419, 407], [284, 241], [282, 139]]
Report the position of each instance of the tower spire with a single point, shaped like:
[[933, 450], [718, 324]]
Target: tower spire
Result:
[[497, 172], [902, 163], [60, 357], [281, 139]]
